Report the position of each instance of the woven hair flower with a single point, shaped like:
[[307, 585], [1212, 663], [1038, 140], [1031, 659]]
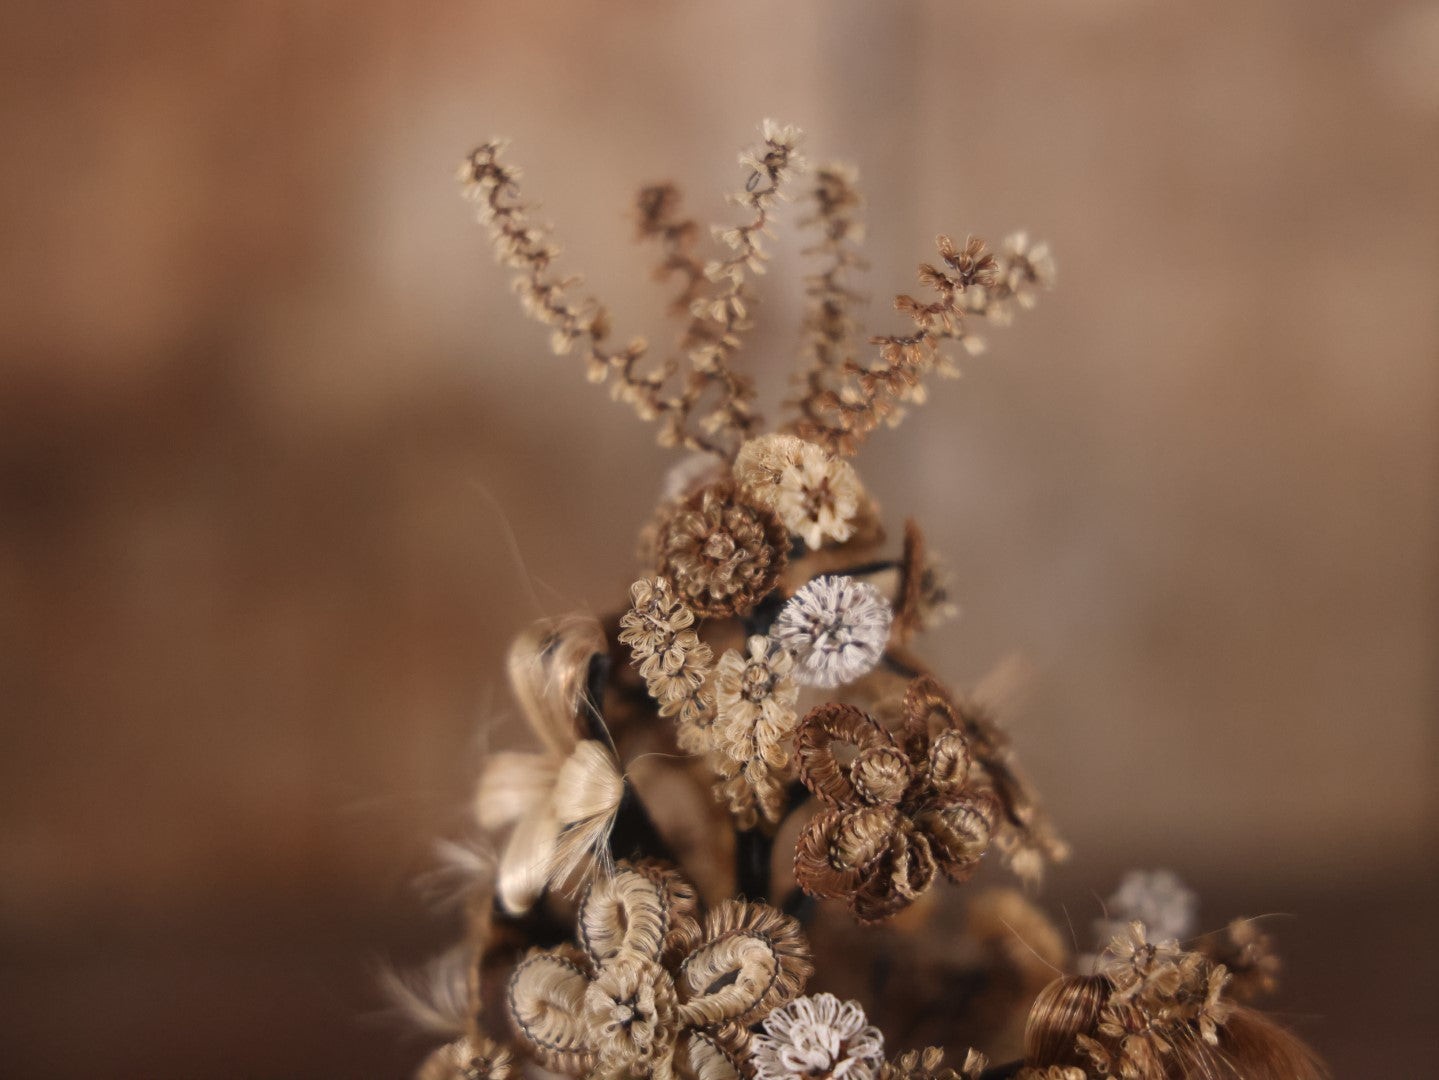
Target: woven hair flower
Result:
[[755, 694], [657, 990], [673, 661], [837, 628], [557, 804], [1158, 899], [901, 810], [721, 553], [818, 1038], [816, 495], [923, 601]]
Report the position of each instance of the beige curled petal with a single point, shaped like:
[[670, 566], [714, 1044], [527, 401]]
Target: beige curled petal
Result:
[[682, 904], [913, 865], [823, 727], [717, 1055], [750, 960], [546, 1003], [626, 911]]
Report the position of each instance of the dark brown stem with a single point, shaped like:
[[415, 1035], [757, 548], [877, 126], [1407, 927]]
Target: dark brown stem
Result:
[[1002, 1072], [754, 850], [634, 835]]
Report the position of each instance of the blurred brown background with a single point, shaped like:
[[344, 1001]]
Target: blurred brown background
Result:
[[282, 468]]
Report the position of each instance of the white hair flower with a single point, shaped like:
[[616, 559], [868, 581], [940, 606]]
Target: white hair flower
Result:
[[836, 627], [1157, 898], [817, 1037]]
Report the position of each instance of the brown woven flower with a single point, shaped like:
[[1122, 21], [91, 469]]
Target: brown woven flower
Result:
[[722, 553], [657, 991], [900, 810]]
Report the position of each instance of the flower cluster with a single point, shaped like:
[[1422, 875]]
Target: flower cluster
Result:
[[1161, 996], [656, 989], [1248, 954], [755, 694], [673, 661], [769, 636]]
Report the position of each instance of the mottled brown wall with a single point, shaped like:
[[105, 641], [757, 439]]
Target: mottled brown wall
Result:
[[281, 467]]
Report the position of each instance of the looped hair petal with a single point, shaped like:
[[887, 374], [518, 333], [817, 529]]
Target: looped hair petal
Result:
[[749, 960], [627, 912], [712, 1055], [824, 726], [928, 711], [960, 835], [546, 1003]]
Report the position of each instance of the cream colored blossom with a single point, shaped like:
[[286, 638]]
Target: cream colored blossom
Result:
[[760, 463], [630, 1009], [819, 497], [816, 496], [467, 1059]]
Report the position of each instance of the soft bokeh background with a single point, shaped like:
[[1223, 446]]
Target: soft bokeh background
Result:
[[282, 468]]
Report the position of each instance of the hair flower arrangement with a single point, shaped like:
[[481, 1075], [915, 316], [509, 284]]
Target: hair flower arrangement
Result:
[[758, 685]]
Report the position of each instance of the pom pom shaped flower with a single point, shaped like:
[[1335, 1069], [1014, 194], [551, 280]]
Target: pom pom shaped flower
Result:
[[762, 461], [657, 990], [836, 627], [902, 809], [722, 554], [818, 1038]]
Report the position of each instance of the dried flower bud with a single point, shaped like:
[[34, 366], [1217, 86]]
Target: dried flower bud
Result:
[[722, 554]]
